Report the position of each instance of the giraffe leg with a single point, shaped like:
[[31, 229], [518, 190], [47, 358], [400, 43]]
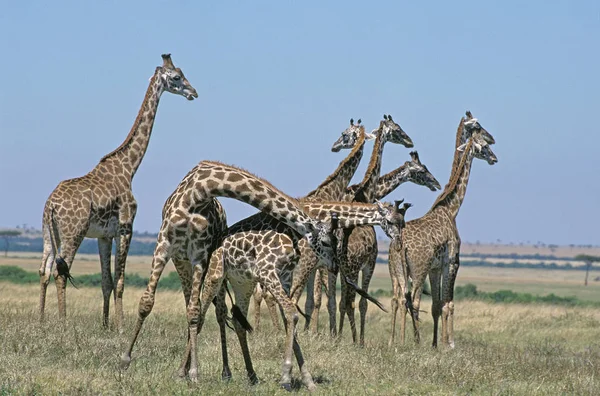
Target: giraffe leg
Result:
[[396, 293], [331, 301], [309, 304], [318, 297], [436, 303], [127, 212], [291, 344], [104, 249], [69, 248], [242, 299], [221, 314], [46, 268], [416, 303], [347, 305], [448, 299], [184, 270], [159, 261], [367, 274], [272, 305], [257, 297]]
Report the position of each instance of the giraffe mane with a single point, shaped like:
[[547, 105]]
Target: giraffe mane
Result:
[[372, 161], [136, 124], [263, 181], [455, 176], [358, 146]]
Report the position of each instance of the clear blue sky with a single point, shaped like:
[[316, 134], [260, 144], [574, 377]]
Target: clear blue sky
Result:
[[278, 82]]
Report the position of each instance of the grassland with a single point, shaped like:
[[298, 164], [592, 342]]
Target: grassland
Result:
[[501, 348]]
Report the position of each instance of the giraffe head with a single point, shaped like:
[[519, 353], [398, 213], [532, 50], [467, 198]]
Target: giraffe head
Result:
[[174, 80], [323, 240], [416, 172], [480, 148], [471, 126], [350, 136], [394, 217], [392, 132]]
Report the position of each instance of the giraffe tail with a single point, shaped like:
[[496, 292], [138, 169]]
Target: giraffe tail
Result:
[[365, 294], [61, 265], [237, 314]]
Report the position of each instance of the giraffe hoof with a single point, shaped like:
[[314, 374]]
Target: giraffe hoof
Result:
[[226, 375], [125, 361], [253, 379], [287, 387]]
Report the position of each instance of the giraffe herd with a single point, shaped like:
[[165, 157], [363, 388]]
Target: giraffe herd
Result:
[[288, 245]]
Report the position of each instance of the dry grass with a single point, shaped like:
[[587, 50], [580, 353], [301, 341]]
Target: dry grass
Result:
[[501, 349]]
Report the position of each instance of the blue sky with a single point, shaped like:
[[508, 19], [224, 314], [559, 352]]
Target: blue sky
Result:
[[278, 82]]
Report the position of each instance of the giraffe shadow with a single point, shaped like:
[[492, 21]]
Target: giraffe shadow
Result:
[[297, 384]]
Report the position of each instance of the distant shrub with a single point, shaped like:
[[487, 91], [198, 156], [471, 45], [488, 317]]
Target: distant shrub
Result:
[[469, 291]]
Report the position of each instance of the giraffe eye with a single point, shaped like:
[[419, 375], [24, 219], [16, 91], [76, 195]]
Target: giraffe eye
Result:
[[176, 78]]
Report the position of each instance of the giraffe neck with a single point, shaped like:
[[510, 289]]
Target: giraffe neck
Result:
[[350, 214], [454, 193], [128, 156], [213, 179], [366, 190], [334, 186], [390, 181]]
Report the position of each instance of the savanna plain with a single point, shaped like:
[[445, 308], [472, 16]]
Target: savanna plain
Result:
[[501, 348]]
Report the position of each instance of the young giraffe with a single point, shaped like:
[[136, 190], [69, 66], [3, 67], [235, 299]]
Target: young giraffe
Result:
[[193, 227], [361, 251], [332, 189], [431, 244], [268, 257], [101, 204]]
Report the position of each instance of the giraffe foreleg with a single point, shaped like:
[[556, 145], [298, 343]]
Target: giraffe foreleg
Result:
[[159, 261], [257, 297], [367, 274], [104, 249], [127, 212], [242, 299], [448, 299]]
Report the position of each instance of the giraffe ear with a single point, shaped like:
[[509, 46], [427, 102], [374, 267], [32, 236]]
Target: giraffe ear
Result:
[[358, 122], [404, 208], [351, 121], [462, 147], [167, 62], [390, 117], [468, 114], [385, 117]]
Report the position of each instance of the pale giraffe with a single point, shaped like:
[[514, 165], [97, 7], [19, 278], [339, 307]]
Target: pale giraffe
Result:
[[101, 204], [193, 227], [431, 244], [362, 243], [268, 257]]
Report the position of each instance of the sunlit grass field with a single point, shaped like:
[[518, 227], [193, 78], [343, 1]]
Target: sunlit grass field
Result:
[[500, 348]]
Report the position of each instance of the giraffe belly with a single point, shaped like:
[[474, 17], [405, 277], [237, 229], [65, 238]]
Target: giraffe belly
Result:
[[108, 229]]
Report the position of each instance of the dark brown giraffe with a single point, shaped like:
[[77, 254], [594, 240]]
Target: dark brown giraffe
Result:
[[101, 204]]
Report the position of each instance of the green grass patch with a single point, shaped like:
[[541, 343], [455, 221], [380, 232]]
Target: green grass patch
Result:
[[18, 275]]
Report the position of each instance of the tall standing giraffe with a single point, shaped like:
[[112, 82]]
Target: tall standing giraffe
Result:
[[431, 244], [101, 204], [268, 256], [193, 227]]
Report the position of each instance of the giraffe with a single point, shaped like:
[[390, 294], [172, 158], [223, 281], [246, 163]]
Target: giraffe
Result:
[[331, 189], [101, 204], [388, 131], [361, 244], [268, 257], [431, 244], [193, 226]]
